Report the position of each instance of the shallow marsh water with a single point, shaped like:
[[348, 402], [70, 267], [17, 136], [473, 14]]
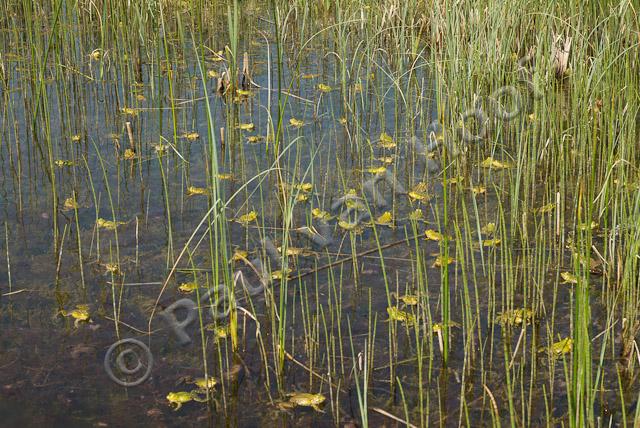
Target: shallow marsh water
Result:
[[328, 328]]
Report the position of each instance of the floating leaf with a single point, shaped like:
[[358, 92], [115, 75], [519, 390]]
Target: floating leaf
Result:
[[309, 76], [224, 176]]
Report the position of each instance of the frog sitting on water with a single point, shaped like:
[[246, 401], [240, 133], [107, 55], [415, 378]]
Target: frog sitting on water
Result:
[[181, 397], [204, 384], [304, 399], [395, 314], [79, 314]]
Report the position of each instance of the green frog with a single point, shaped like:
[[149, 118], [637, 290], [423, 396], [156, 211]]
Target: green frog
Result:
[[79, 314], [304, 399], [204, 384], [561, 347], [396, 314], [515, 317], [181, 397], [407, 299], [188, 287]]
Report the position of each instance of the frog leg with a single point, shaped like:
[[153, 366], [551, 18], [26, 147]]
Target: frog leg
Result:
[[285, 406], [178, 405], [316, 408], [196, 397]]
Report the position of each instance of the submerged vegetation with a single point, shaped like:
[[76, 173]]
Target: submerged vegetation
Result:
[[422, 213]]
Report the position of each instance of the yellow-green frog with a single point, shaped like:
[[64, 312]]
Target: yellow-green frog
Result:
[[395, 314], [205, 384], [305, 399], [181, 397]]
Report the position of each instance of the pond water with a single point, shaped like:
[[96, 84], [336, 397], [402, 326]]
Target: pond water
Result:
[[103, 135]]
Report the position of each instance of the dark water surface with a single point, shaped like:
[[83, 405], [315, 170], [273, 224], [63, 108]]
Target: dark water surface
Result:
[[52, 371]]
